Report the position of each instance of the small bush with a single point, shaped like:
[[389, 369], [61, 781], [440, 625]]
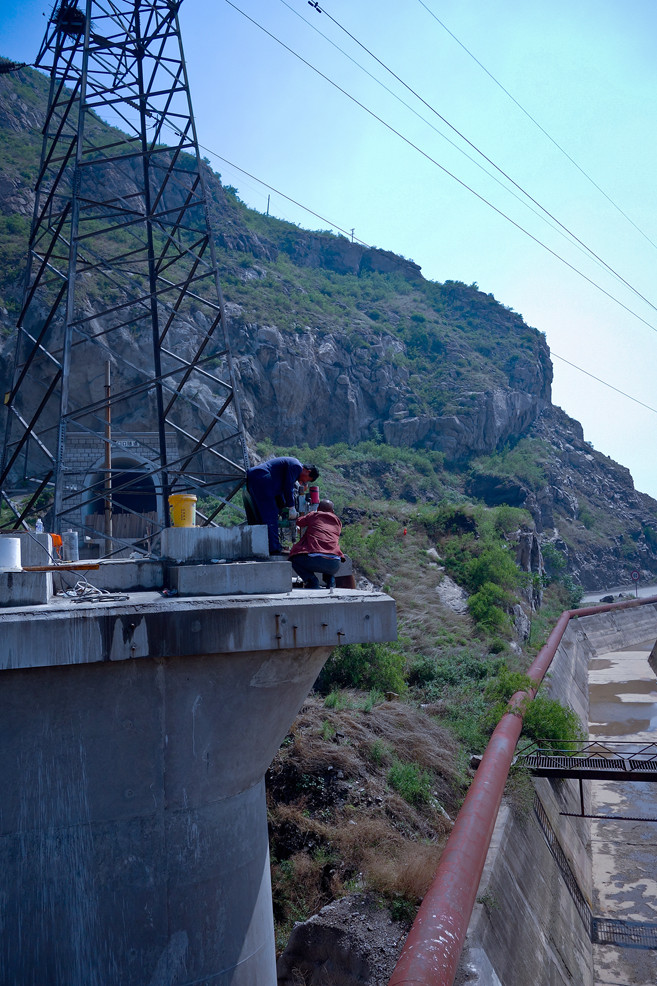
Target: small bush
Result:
[[379, 752], [552, 723], [555, 561], [364, 666], [486, 608], [422, 671], [494, 565], [586, 517], [402, 910], [462, 670], [337, 700], [373, 698], [509, 519], [413, 784], [506, 683]]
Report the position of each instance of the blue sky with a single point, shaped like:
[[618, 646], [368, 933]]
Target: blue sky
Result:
[[583, 69]]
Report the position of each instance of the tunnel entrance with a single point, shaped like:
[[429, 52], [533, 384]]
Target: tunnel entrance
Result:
[[134, 499]]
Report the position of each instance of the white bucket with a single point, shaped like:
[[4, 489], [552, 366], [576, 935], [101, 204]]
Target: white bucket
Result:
[[10, 554]]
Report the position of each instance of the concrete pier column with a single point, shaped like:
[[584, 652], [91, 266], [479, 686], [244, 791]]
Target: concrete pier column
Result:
[[134, 741]]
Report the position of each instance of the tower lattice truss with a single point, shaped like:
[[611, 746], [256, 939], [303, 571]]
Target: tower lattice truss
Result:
[[122, 334]]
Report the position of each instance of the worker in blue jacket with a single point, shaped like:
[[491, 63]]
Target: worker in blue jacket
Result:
[[271, 488]]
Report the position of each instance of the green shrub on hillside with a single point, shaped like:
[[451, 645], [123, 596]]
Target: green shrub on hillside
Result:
[[412, 783], [493, 564], [462, 669], [545, 720], [508, 519], [487, 607], [552, 724], [364, 666], [525, 461], [555, 560]]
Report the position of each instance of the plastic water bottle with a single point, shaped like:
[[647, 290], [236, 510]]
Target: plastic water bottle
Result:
[[38, 527]]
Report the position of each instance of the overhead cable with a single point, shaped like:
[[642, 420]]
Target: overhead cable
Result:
[[446, 171], [284, 196], [542, 214], [604, 382], [537, 124], [615, 273]]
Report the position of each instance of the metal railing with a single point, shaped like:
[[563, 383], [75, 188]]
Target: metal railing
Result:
[[433, 947]]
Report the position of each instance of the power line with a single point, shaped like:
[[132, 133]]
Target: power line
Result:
[[542, 215], [287, 197], [537, 124], [604, 382], [321, 10], [369, 247], [446, 171], [362, 242]]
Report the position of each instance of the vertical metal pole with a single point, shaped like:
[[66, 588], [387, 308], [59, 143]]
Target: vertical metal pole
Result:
[[108, 459], [70, 285], [152, 274]]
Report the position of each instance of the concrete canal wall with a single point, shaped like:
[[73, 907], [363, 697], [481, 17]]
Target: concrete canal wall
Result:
[[531, 920]]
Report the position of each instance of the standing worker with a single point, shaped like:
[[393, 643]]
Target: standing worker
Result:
[[318, 548], [271, 488]]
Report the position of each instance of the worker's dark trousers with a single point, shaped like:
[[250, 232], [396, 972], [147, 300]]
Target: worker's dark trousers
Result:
[[268, 510], [307, 565]]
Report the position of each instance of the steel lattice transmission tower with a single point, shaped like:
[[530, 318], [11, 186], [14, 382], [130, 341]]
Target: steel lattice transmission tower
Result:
[[122, 334]]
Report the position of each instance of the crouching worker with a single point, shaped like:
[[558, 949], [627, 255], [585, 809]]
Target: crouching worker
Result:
[[318, 548]]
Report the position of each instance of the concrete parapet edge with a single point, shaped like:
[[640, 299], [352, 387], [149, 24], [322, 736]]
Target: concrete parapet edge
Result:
[[148, 625]]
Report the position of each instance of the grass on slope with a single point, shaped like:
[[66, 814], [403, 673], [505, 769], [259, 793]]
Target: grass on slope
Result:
[[362, 793]]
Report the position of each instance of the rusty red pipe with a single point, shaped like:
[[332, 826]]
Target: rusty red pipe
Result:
[[432, 950]]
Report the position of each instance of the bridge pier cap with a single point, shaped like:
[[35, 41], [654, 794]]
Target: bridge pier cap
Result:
[[135, 732]]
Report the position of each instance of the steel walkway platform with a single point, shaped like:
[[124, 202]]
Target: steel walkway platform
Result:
[[622, 761]]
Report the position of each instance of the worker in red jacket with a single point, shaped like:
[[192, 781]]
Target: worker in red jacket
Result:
[[318, 548]]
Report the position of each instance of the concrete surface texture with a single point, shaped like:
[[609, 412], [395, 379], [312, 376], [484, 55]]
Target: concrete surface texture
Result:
[[134, 739], [526, 926], [148, 625], [195, 561], [205, 544]]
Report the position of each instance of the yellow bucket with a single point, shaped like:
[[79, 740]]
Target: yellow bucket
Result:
[[182, 507]]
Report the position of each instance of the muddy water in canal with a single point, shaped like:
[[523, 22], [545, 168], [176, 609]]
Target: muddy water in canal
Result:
[[623, 706]]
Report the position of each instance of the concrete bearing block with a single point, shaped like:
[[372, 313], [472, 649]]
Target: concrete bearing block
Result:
[[25, 588], [204, 544], [242, 577]]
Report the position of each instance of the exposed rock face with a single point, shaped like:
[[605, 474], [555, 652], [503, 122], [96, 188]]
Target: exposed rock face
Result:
[[339, 254], [439, 367], [350, 942], [529, 558], [310, 387], [452, 595], [494, 417]]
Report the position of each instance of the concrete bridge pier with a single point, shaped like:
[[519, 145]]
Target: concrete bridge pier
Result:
[[134, 738]]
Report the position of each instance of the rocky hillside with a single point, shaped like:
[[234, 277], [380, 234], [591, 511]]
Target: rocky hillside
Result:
[[338, 343]]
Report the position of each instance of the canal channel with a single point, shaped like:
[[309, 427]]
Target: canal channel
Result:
[[623, 707]]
